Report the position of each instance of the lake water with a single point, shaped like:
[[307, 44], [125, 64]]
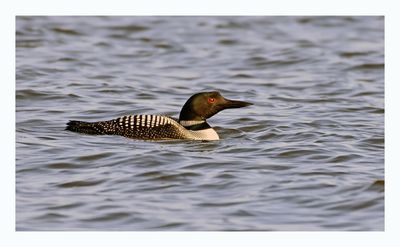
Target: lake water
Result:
[[308, 155]]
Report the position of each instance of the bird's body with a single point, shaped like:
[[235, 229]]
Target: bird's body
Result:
[[146, 127], [191, 124]]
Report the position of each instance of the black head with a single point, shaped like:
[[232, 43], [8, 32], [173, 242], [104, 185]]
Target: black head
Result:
[[206, 104]]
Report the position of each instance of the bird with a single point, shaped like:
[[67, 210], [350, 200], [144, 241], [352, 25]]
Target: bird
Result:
[[191, 125]]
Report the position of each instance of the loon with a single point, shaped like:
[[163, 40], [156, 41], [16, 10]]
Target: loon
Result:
[[191, 125]]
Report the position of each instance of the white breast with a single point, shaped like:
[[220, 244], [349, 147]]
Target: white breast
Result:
[[206, 134]]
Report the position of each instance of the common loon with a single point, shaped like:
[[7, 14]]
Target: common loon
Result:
[[191, 125]]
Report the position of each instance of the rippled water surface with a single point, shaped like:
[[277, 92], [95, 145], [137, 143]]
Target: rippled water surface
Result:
[[308, 155]]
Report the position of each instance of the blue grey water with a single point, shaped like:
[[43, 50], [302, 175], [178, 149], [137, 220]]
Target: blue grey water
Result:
[[308, 155]]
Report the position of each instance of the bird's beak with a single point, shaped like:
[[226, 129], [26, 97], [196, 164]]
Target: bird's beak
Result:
[[234, 104]]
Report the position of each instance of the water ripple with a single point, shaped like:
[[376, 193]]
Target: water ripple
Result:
[[80, 184]]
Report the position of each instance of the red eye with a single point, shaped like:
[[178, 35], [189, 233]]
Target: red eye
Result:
[[211, 100]]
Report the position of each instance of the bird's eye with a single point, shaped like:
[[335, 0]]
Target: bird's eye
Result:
[[211, 100]]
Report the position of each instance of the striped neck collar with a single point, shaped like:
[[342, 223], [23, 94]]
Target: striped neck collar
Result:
[[186, 123], [195, 124]]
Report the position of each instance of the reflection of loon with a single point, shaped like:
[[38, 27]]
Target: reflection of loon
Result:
[[191, 124]]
